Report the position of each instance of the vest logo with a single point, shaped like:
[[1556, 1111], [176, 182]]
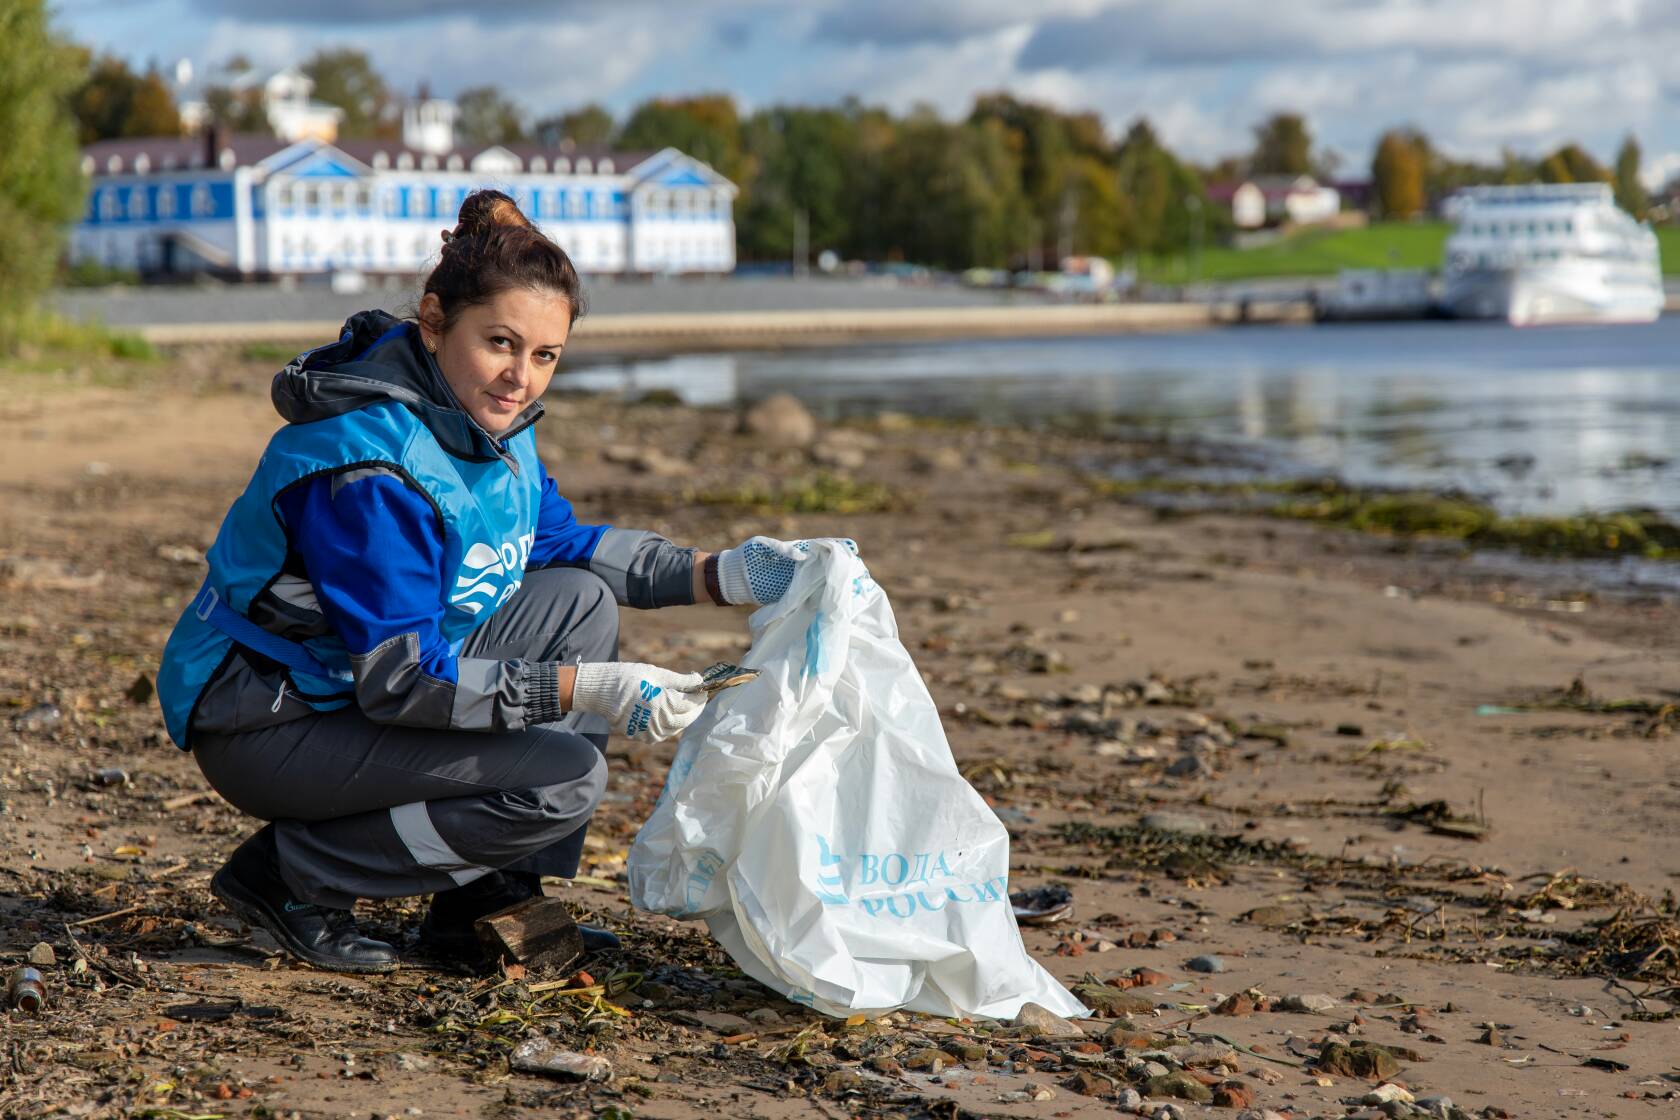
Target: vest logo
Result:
[[489, 574]]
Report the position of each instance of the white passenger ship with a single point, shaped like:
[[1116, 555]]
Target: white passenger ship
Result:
[[1550, 253]]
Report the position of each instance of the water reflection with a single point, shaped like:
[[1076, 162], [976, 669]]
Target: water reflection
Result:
[[1549, 420]]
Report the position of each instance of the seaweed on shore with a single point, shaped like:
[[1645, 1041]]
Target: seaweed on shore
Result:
[[1445, 516]]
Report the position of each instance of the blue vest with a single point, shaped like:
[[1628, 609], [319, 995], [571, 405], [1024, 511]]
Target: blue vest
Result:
[[487, 517]]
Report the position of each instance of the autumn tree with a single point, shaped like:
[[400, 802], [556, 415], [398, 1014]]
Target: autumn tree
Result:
[[487, 116], [1159, 188], [1630, 192], [346, 78], [1572, 164], [1282, 146], [41, 185], [590, 126], [705, 126], [113, 101], [1397, 174]]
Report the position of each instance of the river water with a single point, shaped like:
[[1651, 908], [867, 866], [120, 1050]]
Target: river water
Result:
[[1537, 420]]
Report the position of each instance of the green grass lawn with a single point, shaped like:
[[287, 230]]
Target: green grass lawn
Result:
[[1327, 252]]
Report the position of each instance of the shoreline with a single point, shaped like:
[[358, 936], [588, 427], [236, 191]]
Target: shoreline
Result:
[[1357, 774], [714, 330]]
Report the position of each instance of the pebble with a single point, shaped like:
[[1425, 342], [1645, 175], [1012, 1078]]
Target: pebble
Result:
[[42, 955], [1437, 1105], [927, 1059], [1167, 1112], [779, 420], [1044, 1023], [1205, 964], [539, 1055], [1182, 823], [1128, 1100], [1314, 1002], [1233, 1094], [42, 717], [1384, 1093]]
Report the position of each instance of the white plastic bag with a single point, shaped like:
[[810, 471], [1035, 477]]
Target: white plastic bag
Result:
[[814, 817]]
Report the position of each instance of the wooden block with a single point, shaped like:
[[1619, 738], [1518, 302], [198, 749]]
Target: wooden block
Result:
[[539, 931]]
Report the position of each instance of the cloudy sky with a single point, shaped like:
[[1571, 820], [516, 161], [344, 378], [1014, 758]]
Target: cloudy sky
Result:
[[1476, 75]]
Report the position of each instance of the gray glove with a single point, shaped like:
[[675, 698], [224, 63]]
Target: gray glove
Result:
[[760, 570]]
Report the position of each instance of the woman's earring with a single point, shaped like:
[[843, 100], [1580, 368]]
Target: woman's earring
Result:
[[431, 346]]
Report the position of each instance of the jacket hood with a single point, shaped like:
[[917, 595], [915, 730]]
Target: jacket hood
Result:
[[379, 357]]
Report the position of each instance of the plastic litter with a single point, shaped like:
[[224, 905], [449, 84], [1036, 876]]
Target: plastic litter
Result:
[[815, 819]]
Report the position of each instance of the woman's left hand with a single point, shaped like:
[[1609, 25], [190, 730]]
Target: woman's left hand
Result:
[[759, 570]]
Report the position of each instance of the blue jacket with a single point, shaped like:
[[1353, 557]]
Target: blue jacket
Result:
[[381, 527]]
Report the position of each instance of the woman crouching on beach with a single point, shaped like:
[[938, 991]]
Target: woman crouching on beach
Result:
[[405, 654]]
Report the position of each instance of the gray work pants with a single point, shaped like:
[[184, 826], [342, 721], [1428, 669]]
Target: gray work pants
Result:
[[368, 810]]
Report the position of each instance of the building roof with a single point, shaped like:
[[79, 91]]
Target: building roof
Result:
[[170, 152]]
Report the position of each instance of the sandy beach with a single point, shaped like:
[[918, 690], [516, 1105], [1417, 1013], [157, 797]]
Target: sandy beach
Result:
[[1430, 805]]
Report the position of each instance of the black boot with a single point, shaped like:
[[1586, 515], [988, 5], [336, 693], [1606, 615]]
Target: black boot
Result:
[[249, 884], [446, 931]]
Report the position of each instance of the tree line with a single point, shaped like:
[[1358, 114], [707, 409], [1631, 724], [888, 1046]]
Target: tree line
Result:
[[1409, 175]]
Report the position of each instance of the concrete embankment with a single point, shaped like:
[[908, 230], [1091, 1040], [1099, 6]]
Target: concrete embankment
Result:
[[751, 329]]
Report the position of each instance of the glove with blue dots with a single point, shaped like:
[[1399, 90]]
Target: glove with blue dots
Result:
[[760, 570]]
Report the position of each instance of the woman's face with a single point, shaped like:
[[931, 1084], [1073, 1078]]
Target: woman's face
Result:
[[498, 356]]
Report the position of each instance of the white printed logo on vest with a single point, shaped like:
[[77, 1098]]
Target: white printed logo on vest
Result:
[[489, 574]]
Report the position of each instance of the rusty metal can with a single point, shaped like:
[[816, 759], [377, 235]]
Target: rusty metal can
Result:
[[26, 991]]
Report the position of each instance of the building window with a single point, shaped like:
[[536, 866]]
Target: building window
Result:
[[137, 203], [606, 167], [381, 161], [428, 162], [562, 166], [166, 201], [340, 197], [113, 165], [201, 203], [539, 165], [142, 163], [108, 204], [584, 167], [455, 163], [311, 198], [420, 247], [390, 248], [283, 197], [405, 162]]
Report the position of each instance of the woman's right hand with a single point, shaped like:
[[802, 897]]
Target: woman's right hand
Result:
[[645, 702]]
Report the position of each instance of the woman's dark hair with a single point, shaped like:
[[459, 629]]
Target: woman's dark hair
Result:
[[494, 248]]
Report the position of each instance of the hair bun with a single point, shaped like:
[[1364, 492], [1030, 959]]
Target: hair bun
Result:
[[484, 211]]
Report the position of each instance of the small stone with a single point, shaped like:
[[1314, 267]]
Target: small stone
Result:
[[1233, 1094], [1358, 1059], [1386, 1092], [42, 955], [1190, 766], [1238, 1004], [1312, 1002], [927, 1059], [1352, 730], [42, 717], [723, 1022], [1167, 1112], [1038, 1092], [1128, 1100], [1437, 1105], [780, 421], [1110, 1001], [1040, 1022], [410, 1062], [843, 1081], [1149, 978], [1208, 964], [1181, 823], [965, 1051], [1088, 1084], [1491, 1036], [938, 459], [764, 1015], [1178, 1085], [886, 1065], [540, 1055]]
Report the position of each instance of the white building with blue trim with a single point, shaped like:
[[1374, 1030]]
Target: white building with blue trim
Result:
[[253, 206]]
